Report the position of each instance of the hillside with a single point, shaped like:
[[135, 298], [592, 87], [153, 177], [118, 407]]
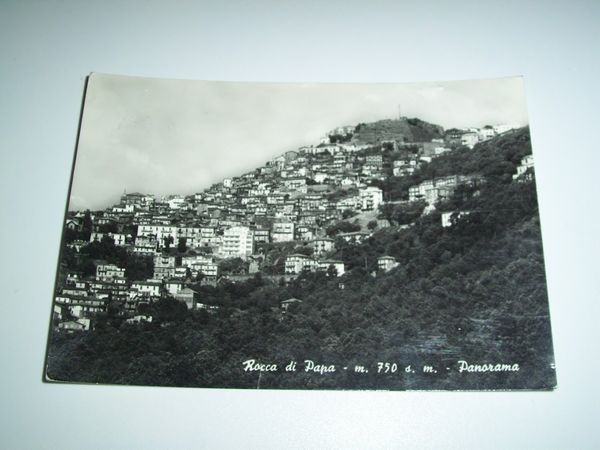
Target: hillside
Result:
[[401, 130], [475, 291]]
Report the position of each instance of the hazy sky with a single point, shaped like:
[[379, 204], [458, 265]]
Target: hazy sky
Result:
[[178, 137]]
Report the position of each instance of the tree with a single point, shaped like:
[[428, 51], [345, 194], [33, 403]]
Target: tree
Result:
[[182, 245], [342, 227], [87, 226], [168, 240], [332, 271], [372, 225]]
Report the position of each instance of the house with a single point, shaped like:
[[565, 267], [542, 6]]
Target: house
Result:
[[262, 235], [435, 148], [73, 277], [355, 237], [304, 232], [441, 188], [164, 267], [486, 133], [370, 198], [347, 203], [108, 272], [469, 139], [181, 273], [374, 161], [73, 224], [75, 325], [138, 200], [523, 168], [151, 287], [173, 287], [503, 128], [118, 239], [405, 167], [386, 263], [296, 263], [320, 177], [206, 268], [85, 307], [190, 260], [160, 232], [449, 218], [326, 264], [285, 304], [145, 245], [322, 245], [238, 241], [188, 296], [283, 232], [296, 183], [80, 306], [139, 319], [207, 307]]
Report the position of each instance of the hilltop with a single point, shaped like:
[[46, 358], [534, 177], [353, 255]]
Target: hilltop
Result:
[[401, 130]]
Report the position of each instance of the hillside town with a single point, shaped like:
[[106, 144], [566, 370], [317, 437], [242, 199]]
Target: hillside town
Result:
[[296, 207]]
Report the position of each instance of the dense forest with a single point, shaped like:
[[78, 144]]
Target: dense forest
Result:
[[474, 291]]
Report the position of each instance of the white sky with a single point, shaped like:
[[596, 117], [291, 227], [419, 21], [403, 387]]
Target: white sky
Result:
[[179, 137]]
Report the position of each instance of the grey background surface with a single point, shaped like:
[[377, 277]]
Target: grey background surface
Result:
[[47, 49]]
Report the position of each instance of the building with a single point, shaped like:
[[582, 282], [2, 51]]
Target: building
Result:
[[189, 261], [206, 268], [370, 198], [469, 139], [322, 245], [73, 224], [354, 237], [75, 325], [160, 232], [173, 287], [486, 133], [337, 265], [526, 164], [188, 296], [386, 263], [296, 263], [262, 235], [438, 189], [145, 245], [79, 306], [164, 267], [151, 287], [181, 273], [405, 167], [449, 218], [374, 161], [118, 239], [283, 232], [108, 272], [285, 304], [237, 242], [434, 149]]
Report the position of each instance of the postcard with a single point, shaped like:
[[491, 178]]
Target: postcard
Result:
[[375, 236]]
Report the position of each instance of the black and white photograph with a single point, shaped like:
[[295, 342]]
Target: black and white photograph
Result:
[[308, 236]]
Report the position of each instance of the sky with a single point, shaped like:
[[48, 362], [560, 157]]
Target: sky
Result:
[[168, 137]]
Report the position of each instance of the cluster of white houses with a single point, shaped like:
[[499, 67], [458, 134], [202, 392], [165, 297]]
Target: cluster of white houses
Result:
[[292, 198], [298, 263]]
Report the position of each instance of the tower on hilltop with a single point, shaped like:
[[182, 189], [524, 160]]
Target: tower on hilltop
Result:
[[400, 116]]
